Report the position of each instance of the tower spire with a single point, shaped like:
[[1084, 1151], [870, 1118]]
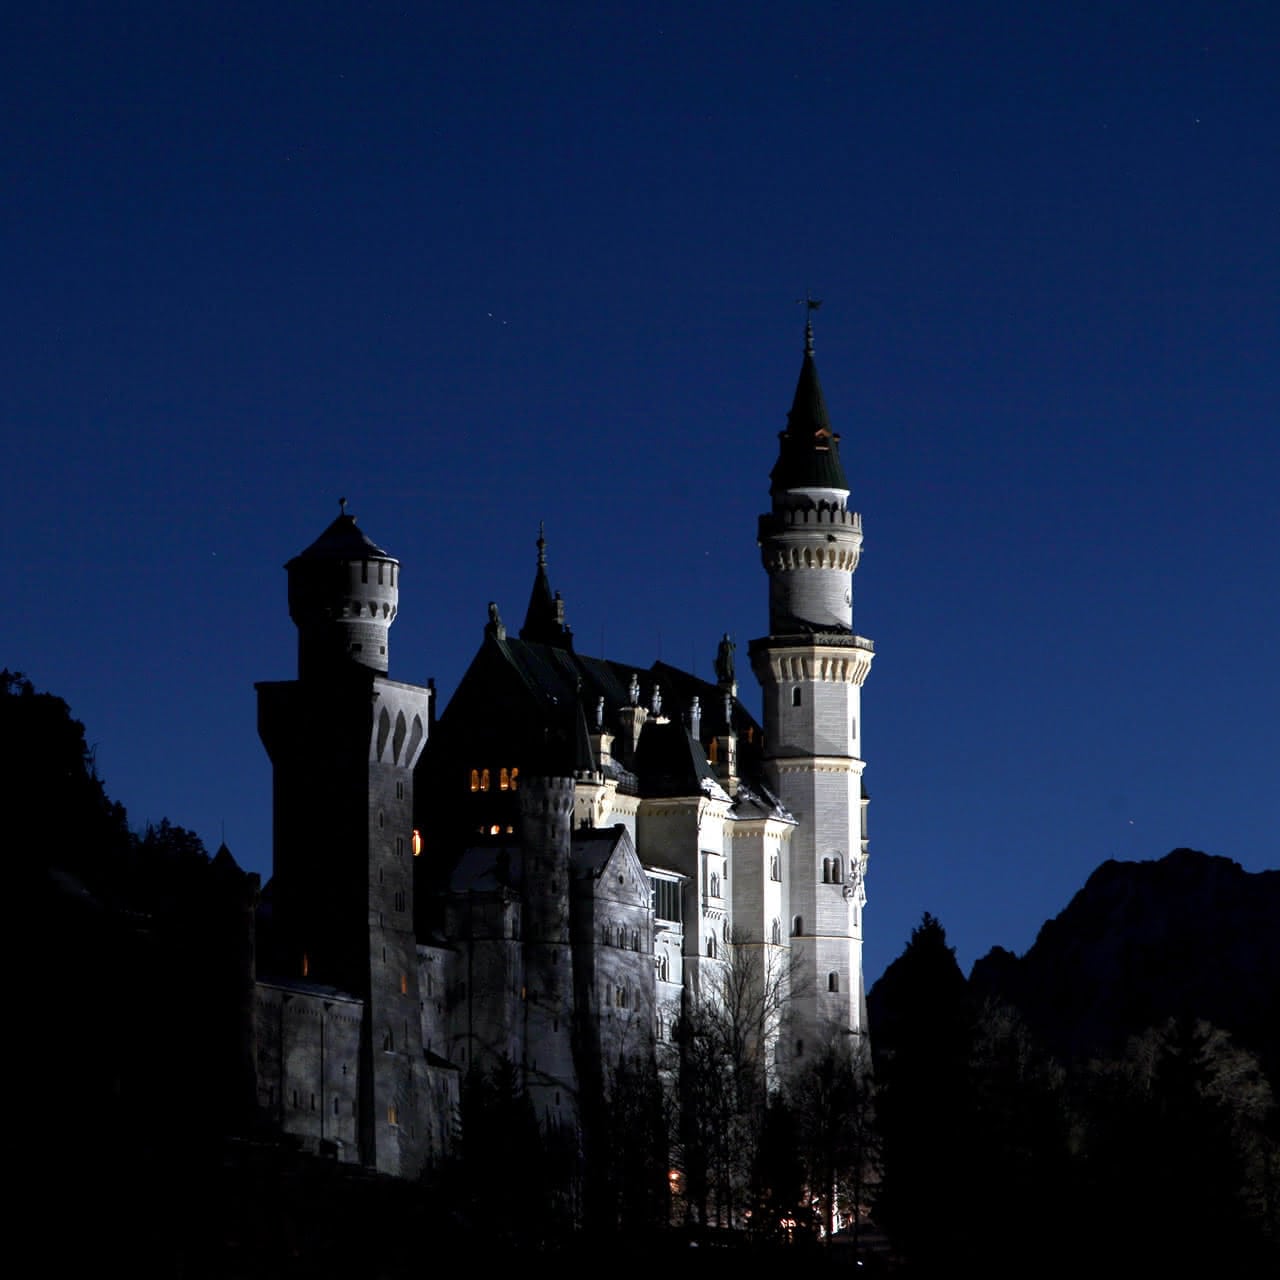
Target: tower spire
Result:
[[808, 450], [544, 618]]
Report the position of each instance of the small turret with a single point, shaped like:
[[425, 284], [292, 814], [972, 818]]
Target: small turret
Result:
[[344, 593], [544, 619]]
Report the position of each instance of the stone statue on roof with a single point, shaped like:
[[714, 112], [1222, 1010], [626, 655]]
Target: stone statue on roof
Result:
[[724, 660]]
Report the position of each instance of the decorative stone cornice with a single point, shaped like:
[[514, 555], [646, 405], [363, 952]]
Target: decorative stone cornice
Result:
[[828, 658]]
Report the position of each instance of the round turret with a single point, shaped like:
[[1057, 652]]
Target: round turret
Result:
[[344, 592]]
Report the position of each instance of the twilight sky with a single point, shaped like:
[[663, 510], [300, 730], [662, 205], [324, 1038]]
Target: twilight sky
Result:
[[477, 265]]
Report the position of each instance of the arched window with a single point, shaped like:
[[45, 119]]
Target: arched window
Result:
[[837, 875], [504, 780], [797, 927], [775, 868], [714, 885], [711, 946], [833, 981], [795, 696], [475, 779], [775, 933], [713, 751], [826, 871], [484, 779], [515, 779]]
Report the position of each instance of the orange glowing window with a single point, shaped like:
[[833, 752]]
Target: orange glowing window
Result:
[[404, 984], [484, 779], [475, 780], [306, 964], [417, 842], [713, 753], [493, 830], [392, 1117], [515, 777], [504, 780]]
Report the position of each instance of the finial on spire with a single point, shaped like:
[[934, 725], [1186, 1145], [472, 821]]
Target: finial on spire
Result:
[[542, 547], [811, 304], [342, 506]]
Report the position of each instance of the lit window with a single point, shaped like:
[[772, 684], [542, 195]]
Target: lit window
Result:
[[515, 777], [504, 780], [713, 751], [306, 964], [392, 1115], [416, 842], [495, 829], [484, 779], [404, 984], [475, 780]]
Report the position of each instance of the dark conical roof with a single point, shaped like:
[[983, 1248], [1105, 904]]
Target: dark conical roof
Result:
[[544, 618], [343, 541], [809, 451]]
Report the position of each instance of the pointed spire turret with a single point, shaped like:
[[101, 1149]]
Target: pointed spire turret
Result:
[[544, 618], [809, 451]]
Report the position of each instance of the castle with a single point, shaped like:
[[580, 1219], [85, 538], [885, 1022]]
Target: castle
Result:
[[562, 864]]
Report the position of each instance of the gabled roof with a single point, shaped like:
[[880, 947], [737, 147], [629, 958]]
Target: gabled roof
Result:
[[808, 450]]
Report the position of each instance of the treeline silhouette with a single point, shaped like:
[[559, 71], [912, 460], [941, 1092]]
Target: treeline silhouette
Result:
[[1091, 1107]]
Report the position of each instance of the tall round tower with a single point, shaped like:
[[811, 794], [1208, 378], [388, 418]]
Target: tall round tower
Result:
[[811, 667], [344, 591]]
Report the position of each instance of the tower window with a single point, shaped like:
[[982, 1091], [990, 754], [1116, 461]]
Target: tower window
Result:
[[711, 946], [399, 790], [404, 984], [775, 932], [714, 885], [416, 842], [833, 981], [504, 780], [399, 846], [775, 868], [484, 779], [515, 779], [475, 780], [392, 1115], [797, 927], [795, 696], [399, 899]]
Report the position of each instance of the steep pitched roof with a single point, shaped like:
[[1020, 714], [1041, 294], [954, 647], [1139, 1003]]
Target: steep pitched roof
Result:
[[343, 541], [544, 618], [808, 450]]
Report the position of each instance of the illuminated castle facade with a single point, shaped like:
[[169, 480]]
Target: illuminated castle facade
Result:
[[561, 865]]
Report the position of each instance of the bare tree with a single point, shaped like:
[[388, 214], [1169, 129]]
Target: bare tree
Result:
[[831, 1103], [727, 1042]]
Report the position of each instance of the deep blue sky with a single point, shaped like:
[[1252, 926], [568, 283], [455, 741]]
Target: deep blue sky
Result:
[[478, 265]]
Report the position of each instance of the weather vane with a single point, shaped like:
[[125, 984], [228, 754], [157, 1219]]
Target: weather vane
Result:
[[811, 304]]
